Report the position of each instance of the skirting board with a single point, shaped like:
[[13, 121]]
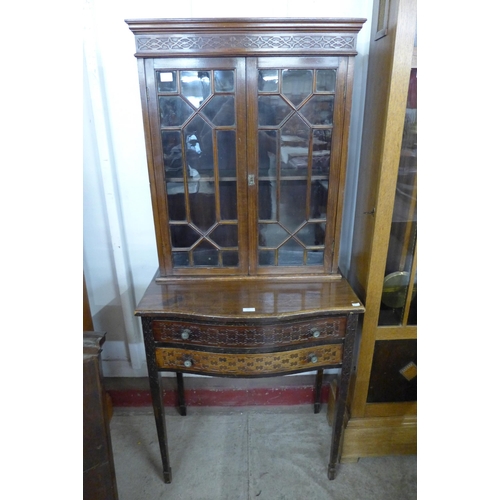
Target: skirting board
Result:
[[379, 436], [280, 391]]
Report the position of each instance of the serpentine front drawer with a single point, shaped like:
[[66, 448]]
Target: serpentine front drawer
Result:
[[249, 335], [248, 365]]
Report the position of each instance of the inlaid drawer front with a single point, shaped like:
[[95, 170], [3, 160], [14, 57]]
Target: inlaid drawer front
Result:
[[249, 335], [248, 364]]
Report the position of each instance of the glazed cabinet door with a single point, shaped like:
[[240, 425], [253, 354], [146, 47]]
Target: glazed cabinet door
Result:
[[197, 123], [296, 117], [393, 376], [399, 293], [247, 163]]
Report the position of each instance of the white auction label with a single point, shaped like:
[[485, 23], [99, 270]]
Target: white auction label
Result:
[[167, 77]]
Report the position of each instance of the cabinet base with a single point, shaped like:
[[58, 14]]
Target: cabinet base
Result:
[[379, 436]]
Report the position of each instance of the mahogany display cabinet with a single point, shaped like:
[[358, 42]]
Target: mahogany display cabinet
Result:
[[246, 126]]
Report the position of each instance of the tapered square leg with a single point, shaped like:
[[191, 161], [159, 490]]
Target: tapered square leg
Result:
[[332, 472], [155, 384], [317, 391], [180, 394], [167, 476], [341, 403]]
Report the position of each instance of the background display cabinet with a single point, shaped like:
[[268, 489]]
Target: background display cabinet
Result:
[[246, 125], [383, 404]]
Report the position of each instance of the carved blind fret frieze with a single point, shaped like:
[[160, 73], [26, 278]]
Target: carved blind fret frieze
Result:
[[245, 43]]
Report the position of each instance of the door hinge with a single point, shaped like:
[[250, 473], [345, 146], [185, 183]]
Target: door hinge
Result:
[[251, 180]]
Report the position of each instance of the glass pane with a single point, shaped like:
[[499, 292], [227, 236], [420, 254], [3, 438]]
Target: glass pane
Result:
[[322, 145], [173, 111], [273, 109], [315, 258], [272, 235], [195, 86], [267, 200], [395, 288], [319, 198], [172, 153], [220, 110], [326, 80], [225, 235], [297, 84], [176, 201], [393, 375], [183, 236], [291, 254], [202, 210], [268, 80], [205, 254], [167, 81], [319, 110], [230, 259], [228, 200], [199, 147], [226, 152], [224, 80], [267, 258], [292, 212], [312, 234], [181, 259], [295, 144], [403, 236], [268, 150], [193, 157]]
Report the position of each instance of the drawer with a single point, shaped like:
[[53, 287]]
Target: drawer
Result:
[[245, 335], [247, 365]]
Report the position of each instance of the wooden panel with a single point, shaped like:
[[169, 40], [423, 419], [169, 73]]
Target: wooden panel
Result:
[[391, 409], [249, 335], [248, 365], [373, 437], [396, 332]]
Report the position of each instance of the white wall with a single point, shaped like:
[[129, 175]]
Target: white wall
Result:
[[118, 234]]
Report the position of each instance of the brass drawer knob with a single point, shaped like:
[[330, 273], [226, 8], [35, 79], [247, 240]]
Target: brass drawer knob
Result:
[[313, 358], [316, 333], [185, 334]]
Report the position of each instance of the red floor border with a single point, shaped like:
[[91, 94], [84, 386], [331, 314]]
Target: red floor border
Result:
[[282, 396]]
